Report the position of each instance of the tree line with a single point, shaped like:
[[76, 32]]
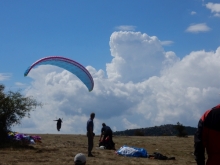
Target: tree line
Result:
[[163, 130]]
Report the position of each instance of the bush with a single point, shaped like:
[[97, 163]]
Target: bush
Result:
[[13, 107]]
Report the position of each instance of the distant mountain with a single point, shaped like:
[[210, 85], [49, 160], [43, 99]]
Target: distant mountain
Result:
[[163, 130]]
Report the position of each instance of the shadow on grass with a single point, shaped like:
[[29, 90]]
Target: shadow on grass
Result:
[[15, 145]]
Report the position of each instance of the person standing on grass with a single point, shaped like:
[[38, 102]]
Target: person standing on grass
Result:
[[207, 137], [90, 134]]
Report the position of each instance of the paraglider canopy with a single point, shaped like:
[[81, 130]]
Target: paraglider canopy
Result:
[[72, 66]]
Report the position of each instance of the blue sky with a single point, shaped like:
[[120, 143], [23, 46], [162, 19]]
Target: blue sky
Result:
[[152, 61]]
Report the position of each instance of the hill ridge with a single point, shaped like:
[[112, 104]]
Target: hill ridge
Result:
[[162, 130]]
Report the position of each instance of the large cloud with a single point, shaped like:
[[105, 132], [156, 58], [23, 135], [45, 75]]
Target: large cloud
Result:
[[143, 86], [136, 57]]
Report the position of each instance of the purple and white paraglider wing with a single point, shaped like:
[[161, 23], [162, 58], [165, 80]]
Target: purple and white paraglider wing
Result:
[[72, 66]]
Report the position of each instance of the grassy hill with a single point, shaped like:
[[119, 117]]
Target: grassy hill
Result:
[[60, 149], [163, 130]]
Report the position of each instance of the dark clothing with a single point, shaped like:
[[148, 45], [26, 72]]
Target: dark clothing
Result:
[[90, 125], [107, 132], [90, 142], [207, 137], [59, 122], [106, 129]]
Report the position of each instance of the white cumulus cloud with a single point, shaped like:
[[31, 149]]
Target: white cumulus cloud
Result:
[[134, 53], [214, 7], [142, 86]]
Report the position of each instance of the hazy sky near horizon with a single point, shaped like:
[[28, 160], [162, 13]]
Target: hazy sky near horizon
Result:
[[153, 62]]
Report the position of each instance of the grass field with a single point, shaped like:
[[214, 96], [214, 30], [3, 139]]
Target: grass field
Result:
[[61, 149]]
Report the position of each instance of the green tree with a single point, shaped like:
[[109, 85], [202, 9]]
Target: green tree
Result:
[[181, 130], [13, 107]]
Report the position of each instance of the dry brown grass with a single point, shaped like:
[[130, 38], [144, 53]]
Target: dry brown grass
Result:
[[60, 149]]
